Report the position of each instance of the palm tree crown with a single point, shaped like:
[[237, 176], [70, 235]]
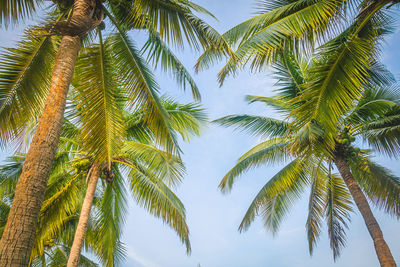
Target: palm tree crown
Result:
[[306, 146], [149, 172]]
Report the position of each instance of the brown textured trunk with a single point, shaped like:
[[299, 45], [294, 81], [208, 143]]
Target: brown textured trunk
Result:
[[76, 248], [18, 237], [382, 249]]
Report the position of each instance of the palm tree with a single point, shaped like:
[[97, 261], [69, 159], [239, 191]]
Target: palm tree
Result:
[[58, 215], [150, 172], [28, 78], [306, 142], [112, 151]]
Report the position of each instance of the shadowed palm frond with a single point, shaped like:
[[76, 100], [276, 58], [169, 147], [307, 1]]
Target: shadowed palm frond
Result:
[[337, 209], [109, 216], [379, 184], [185, 119], [15, 11], [383, 133], [316, 206]]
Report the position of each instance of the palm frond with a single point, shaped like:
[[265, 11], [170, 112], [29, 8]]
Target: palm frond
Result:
[[16, 10], [4, 211], [383, 133], [24, 84], [337, 208], [272, 102], [157, 198], [9, 175], [375, 103], [99, 101], [276, 197], [316, 206], [160, 164], [262, 38], [270, 151], [159, 53], [140, 87], [186, 119], [256, 125], [380, 185], [109, 216], [342, 68]]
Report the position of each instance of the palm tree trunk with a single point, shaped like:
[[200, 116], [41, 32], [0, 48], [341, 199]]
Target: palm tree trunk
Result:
[[76, 248], [382, 249], [18, 237]]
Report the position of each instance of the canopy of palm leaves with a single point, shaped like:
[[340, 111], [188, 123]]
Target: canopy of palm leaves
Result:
[[282, 25], [149, 172], [109, 63], [304, 141]]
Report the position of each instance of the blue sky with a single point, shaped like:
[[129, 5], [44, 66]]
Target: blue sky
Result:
[[213, 218]]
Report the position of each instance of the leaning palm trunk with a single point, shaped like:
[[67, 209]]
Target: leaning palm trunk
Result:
[[17, 240], [76, 248], [382, 249]]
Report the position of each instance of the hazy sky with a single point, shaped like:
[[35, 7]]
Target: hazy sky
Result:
[[213, 218]]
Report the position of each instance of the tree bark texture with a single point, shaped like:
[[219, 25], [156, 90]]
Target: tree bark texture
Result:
[[18, 237], [382, 249], [79, 237]]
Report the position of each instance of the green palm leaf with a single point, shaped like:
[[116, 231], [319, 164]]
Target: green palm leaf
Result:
[[270, 151], [98, 101], [159, 53], [342, 68], [140, 87], [261, 38], [277, 196], [256, 125], [15, 10], [316, 206], [380, 184], [24, 84], [156, 197], [109, 216], [338, 206]]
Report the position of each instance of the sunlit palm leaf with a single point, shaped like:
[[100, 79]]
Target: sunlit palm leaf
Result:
[[160, 164], [155, 196], [159, 53], [342, 68], [256, 125], [24, 83], [277, 196], [140, 87], [98, 101], [270, 151], [261, 38]]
